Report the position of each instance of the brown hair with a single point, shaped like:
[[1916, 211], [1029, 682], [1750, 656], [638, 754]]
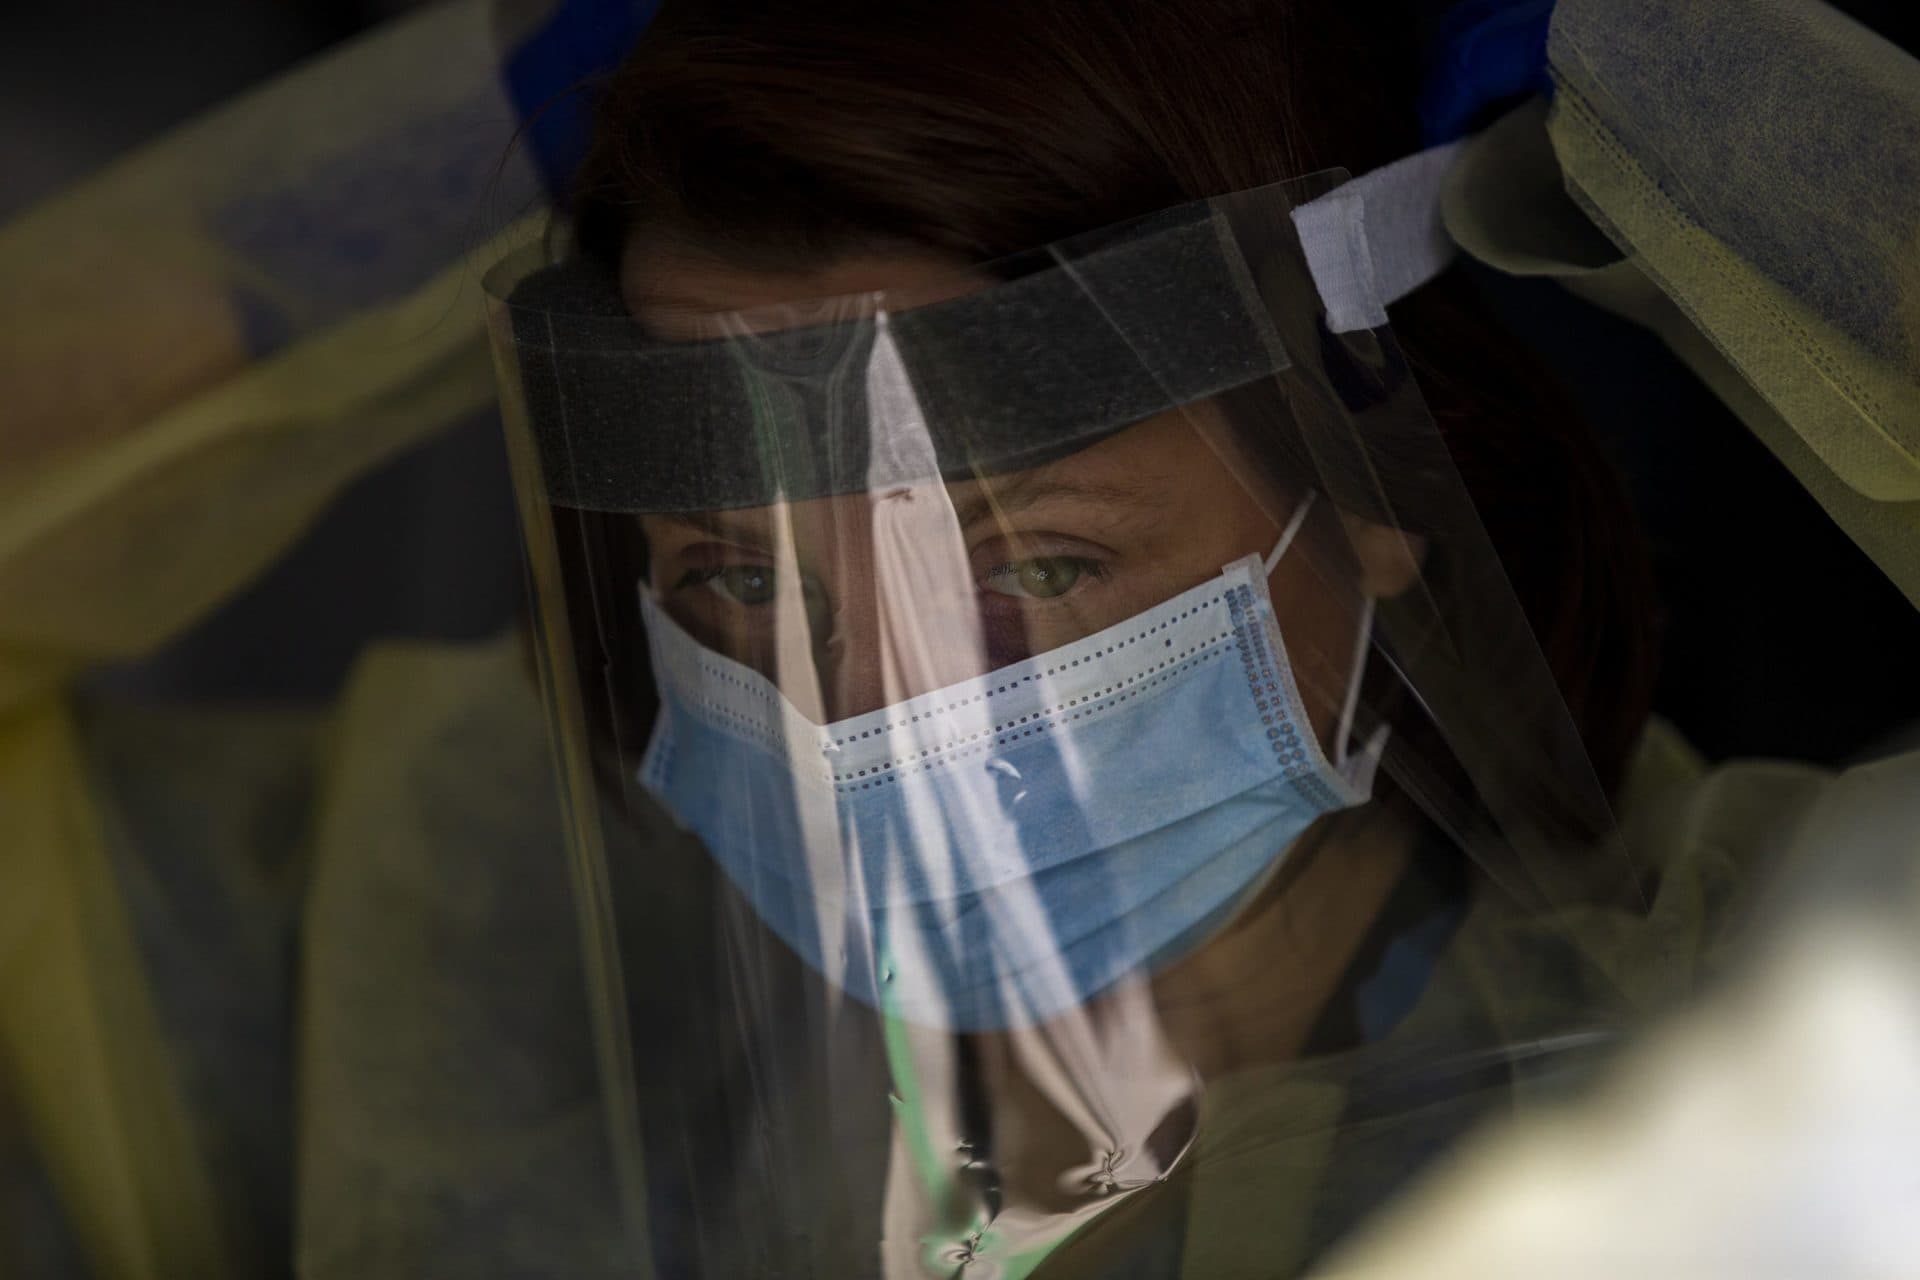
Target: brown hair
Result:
[[779, 136]]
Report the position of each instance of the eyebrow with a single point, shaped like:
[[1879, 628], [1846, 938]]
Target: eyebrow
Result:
[[748, 528], [993, 495], [1032, 488]]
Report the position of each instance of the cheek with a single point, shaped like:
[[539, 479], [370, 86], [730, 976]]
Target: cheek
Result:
[[1320, 625]]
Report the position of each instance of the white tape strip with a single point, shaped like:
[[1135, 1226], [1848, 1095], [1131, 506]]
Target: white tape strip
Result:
[[1378, 238]]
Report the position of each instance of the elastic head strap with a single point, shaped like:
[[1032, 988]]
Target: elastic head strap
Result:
[[1374, 240]]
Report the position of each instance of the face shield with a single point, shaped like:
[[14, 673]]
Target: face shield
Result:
[[1112, 775]]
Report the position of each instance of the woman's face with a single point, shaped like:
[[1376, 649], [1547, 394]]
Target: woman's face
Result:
[[859, 601]]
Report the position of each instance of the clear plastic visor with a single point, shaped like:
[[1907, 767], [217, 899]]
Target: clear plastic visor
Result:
[[1065, 715]]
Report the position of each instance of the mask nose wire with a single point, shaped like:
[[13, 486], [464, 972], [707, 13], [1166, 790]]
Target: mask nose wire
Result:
[[1292, 530]]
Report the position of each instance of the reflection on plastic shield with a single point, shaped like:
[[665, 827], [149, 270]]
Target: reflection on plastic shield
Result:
[[1002, 850], [1037, 878]]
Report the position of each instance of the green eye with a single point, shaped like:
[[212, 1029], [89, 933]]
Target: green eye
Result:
[[1040, 579], [747, 584]]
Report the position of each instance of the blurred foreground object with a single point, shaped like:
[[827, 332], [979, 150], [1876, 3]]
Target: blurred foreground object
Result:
[[1774, 1132], [1742, 177], [202, 346]]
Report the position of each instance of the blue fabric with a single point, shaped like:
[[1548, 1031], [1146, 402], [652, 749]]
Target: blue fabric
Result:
[[1487, 55], [1396, 986], [551, 73], [1010, 847], [363, 225]]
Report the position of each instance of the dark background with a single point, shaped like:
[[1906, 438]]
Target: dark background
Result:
[[1782, 638]]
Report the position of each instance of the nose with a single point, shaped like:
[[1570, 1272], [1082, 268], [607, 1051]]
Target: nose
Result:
[[901, 615], [888, 646], [850, 665]]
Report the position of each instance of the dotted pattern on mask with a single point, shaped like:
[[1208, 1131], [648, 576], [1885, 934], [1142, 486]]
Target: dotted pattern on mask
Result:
[[1047, 718], [1009, 686], [765, 733], [1271, 699], [657, 766], [1045, 721], [759, 730], [1259, 665], [719, 675]]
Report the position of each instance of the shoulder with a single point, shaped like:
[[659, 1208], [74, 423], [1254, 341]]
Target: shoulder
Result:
[[1719, 843]]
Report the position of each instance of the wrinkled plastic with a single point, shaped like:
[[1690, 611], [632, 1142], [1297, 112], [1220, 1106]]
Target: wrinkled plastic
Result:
[[189, 388], [1775, 1122], [791, 565], [202, 346]]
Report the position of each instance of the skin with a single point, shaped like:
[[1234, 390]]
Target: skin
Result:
[[1131, 521], [948, 580]]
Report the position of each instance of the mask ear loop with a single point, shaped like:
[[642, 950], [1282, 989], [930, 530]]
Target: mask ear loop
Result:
[[1287, 535], [1343, 735]]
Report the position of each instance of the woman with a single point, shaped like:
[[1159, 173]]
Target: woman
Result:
[[1131, 795], [420, 1094]]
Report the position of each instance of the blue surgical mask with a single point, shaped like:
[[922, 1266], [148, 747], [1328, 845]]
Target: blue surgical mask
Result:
[[996, 852]]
